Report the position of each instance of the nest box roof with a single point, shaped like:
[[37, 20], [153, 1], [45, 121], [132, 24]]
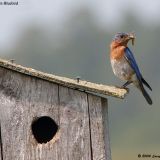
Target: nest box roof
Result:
[[102, 90]]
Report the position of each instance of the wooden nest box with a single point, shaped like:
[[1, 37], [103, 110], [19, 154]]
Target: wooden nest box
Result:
[[47, 117]]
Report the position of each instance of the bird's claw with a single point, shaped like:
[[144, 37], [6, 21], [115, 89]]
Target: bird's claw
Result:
[[122, 87]]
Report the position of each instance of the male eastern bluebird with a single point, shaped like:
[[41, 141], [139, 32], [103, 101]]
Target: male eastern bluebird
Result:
[[124, 64]]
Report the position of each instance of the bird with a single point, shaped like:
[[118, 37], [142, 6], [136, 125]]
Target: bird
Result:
[[124, 65]]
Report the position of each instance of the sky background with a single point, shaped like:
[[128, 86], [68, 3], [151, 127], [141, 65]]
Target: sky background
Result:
[[72, 37]]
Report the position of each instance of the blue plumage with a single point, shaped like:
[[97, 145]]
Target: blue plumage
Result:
[[130, 58]]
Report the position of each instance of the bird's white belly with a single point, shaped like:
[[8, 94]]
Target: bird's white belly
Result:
[[122, 69]]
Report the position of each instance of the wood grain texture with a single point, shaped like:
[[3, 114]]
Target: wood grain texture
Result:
[[22, 99], [74, 122], [106, 128], [1, 151], [71, 83], [82, 118], [99, 128]]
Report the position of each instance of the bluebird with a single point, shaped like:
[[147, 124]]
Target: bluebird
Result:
[[124, 64]]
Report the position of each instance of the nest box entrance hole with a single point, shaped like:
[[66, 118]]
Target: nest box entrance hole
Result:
[[44, 129]]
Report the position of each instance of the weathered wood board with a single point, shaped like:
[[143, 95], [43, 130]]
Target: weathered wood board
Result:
[[82, 120], [68, 82], [1, 158], [74, 122], [99, 126], [22, 99]]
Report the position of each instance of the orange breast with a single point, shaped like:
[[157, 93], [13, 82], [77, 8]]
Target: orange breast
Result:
[[117, 52]]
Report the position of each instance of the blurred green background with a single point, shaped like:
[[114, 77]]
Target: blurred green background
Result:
[[71, 38]]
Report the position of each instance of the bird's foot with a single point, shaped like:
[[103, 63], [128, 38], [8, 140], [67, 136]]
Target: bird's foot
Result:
[[123, 87]]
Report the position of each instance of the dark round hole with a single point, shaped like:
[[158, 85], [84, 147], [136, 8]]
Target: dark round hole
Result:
[[44, 128]]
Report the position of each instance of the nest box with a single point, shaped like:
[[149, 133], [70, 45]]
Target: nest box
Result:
[[47, 117]]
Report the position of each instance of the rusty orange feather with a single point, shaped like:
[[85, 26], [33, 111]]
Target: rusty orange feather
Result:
[[117, 51]]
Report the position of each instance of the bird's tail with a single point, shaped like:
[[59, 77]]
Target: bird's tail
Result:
[[145, 94]]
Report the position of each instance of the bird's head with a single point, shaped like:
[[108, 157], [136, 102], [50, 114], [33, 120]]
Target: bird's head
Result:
[[123, 38]]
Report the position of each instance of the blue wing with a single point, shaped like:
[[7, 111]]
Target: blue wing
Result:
[[130, 58]]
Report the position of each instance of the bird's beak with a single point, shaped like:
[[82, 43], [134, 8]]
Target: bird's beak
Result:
[[131, 36]]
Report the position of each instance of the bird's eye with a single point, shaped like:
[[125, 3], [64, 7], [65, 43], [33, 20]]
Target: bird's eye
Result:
[[121, 36]]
